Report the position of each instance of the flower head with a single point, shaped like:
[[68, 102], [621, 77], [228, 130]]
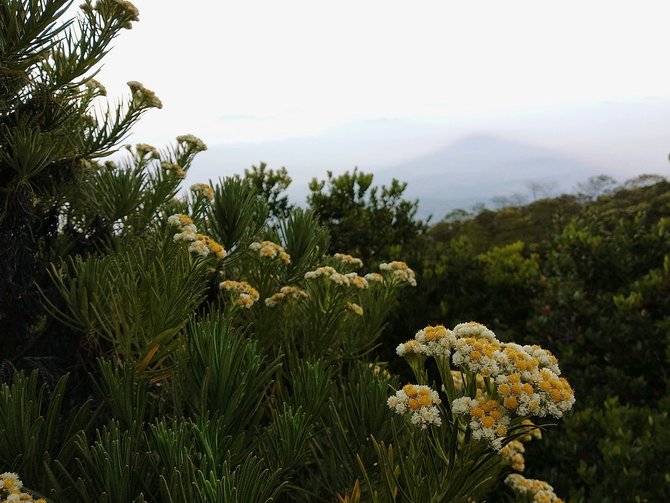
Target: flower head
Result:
[[348, 259], [174, 168], [247, 294], [488, 420], [355, 308], [143, 96], [374, 277], [330, 273], [400, 271], [143, 149], [539, 490], [420, 402], [204, 190], [270, 250], [286, 293], [437, 339], [192, 143], [357, 281], [474, 329]]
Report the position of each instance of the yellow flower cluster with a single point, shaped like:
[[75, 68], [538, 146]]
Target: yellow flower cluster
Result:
[[330, 273], [527, 377], [348, 259], [174, 168], [268, 249], [538, 490], [475, 330], [186, 226], [286, 293], [488, 419], [512, 454], [143, 149], [95, 87], [203, 190], [543, 394], [476, 355], [247, 294], [420, 402], [400, 271], [10, 489], [374, 277], [193, 143], [205, 246], [142, 95], [429, 341], [355, 308], [533, 432], [358, 281]]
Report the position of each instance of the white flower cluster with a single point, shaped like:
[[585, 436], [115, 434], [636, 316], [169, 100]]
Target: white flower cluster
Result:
[[545, 358], [348, 259], [174, 168], [206, 246], [144, 96], [95, 87], [247, 294], [420, 402], [286, 293], [429, 341], [477, 355], [400, 271], [374, 277], [437, 340], [203, 190], [358, 281], [355, 308], [330, 273], [488, 420], [10, 489], [143, 149], [200, 243], [193, 143], [527, 377], [411, 347], [473, 329], [186, 226], [512, 454], [539, 490], [270, 250]]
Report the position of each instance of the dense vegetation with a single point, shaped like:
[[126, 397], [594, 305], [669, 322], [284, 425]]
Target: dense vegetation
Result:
[[221, 345]]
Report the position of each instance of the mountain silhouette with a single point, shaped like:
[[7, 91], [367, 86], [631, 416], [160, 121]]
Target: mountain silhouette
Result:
[[479, 167]]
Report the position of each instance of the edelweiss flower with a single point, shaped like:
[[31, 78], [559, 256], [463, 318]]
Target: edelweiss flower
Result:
[[173, 167], [203, 190], [348, 259], [400, 271], [143, 95], [270, 250], [538, 490], [193, 143], [286, 293], [247, 294], [437, 339], [419, 402], [488, 419]]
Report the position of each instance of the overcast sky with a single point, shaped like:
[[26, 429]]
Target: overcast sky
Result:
[[250, 70], [257, 71]]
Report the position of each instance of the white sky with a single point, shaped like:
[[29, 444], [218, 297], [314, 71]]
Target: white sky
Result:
[[251, 70]]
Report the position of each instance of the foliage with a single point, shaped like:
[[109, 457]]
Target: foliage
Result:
[[369, 221]]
